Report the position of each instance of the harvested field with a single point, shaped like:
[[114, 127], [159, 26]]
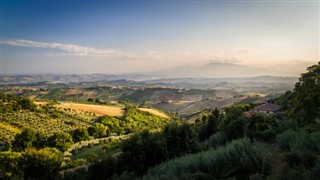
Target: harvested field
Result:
[[74, 91], [155, 112], [40, 103], [97, 109]]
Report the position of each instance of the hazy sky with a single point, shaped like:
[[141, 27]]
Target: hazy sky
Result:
[[97, 36]]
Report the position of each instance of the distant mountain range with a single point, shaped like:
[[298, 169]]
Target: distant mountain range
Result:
[[216, 70], [206, 76], [258, 83]]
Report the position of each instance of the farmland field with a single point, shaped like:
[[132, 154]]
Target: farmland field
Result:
[[101, 109], [97, 109]]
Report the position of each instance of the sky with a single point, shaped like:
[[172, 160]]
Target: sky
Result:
[[134, 36]]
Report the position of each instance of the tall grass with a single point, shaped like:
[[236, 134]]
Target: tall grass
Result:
[[239, 158]]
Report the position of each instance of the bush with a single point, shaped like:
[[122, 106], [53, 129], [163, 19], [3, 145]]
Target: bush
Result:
[[75, 163], [9, 167], [80, 135], [61, 141], [103, 169], [215, 140], [41, 164], [298, 141]]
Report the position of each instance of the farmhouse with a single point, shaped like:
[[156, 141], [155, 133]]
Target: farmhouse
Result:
[[267, 108]]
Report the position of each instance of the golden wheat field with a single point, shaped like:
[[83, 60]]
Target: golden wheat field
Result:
[[97, 109]]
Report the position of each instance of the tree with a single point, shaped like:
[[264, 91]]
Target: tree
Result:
[[90, 100], [211, 126], [27, 104], [41, 164], [111, 123], [180, 139], [9, 168], [142, 151], [25, 139], [5, 145], [98, 130], [285, 100], [41, 140], [307, 95], [29, 138], [80, 135], [213, 121], [103, 169], [234, 124], [61, 141]]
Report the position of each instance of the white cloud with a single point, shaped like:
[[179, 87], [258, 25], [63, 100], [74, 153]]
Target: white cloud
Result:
[[75, 50]]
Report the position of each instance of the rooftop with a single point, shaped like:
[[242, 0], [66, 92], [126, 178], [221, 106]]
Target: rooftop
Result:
[[267, 107]]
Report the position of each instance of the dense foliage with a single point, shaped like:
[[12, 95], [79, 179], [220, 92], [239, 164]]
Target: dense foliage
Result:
[[40, 163], [10, 103], [30, 164], [146, 149], [306, 105], [133, 120]]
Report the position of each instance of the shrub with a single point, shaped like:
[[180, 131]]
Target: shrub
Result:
[[80, 135], [61, 141], [298, 141], [9, 167]]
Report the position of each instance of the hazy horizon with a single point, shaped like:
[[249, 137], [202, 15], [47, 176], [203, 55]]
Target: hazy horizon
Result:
[[123, 37]]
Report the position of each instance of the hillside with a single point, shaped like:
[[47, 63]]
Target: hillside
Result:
[[51, 117], [169, 100]]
